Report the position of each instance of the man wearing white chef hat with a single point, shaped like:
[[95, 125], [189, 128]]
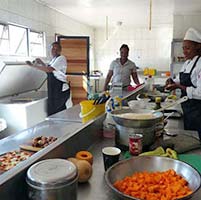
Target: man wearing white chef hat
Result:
[[189, 80]]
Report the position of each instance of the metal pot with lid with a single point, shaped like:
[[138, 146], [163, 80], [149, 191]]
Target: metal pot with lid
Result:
[[136, 121], [52, 179]]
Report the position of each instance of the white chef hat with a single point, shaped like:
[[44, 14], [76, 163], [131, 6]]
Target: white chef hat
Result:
[[193, 35]]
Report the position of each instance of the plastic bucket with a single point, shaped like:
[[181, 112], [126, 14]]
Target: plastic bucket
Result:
[[90, 111]]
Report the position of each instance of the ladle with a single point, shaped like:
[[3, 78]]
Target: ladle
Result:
[[181, 100]]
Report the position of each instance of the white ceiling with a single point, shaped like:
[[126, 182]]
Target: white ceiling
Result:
[[129, 12]]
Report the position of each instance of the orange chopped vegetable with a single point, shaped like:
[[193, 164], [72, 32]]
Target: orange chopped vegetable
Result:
[[167, 185]]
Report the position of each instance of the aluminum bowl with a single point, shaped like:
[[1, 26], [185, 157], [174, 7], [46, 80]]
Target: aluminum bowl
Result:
[[136, 123], [151, 163]]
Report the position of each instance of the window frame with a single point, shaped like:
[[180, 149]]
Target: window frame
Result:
[[27, 35]]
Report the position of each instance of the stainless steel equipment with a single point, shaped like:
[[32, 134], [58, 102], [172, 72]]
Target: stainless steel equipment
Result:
[[151, 163], [136, 123], [21, 104], [122, 136], [52, 179], [146, 127]]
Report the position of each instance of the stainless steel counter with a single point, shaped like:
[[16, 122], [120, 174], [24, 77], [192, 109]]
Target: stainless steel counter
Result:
[[73, 137], [70, 115], [97, 188]]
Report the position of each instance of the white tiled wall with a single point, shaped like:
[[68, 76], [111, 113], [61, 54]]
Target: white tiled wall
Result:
[[183, 22], [32, 14], [36, 16], [147, 48]]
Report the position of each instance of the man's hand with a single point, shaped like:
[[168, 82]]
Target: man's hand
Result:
[[39, 61], [29, 63], [169, 81], [172, 86]]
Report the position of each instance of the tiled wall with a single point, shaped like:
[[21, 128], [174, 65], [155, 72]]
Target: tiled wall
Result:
[[147, 48], [183, 22], [31, 14]]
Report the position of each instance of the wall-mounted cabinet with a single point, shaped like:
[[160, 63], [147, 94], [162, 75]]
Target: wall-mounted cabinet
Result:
[[177, 56]]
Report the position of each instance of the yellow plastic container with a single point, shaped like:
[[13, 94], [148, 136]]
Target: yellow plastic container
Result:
[[146, 71], [90, 111], [152, 71]]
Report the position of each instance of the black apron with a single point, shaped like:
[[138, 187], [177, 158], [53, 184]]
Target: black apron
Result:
[[192, 107], [56, 98]]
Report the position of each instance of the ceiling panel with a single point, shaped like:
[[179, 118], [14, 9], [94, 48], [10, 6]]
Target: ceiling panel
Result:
[[129, 12]]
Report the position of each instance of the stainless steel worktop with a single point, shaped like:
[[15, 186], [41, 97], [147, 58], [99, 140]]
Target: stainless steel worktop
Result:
[[70, 115], [97, 188]]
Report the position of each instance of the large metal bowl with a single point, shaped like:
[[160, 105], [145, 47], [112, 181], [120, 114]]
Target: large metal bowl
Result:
[[151, 163], [136, 123]]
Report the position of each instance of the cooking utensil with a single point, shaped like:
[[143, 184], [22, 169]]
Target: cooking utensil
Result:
[[136, 123], [151, 163], [177, 102], [169, 115], [30, 148], [52, 179]]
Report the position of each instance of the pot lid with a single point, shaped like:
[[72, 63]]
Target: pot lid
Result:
[[51, 172]]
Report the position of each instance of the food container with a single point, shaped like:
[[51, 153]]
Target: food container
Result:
[[151, 164], [52, 179], [135, 144]]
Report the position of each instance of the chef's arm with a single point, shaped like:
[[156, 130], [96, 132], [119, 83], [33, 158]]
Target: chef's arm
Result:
[[135, 78], [41, 66], [174, 85], [107, 80]]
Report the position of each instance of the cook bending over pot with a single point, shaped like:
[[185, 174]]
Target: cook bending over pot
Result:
[[189, 81]]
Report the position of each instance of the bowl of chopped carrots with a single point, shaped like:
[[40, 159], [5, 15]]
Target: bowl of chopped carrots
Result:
[[153, 178]]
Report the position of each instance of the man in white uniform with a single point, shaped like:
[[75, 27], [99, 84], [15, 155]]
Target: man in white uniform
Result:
[[121, 69], [58, 89], [189, 81]]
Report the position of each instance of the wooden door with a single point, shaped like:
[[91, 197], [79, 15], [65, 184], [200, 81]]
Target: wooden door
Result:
[[76, 51]]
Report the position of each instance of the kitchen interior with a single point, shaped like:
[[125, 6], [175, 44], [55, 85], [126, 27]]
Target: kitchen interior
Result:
[[91, 33]]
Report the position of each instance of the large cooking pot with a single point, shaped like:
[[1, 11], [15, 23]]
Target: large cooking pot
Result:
[[136, 123], [52, 179], [149, 128]]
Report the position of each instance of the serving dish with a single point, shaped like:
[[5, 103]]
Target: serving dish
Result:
[[151, 164]]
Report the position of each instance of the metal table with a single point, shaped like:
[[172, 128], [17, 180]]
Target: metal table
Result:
[[96, 188]]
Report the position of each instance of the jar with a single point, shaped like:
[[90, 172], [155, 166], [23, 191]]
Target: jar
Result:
[[52, 179]]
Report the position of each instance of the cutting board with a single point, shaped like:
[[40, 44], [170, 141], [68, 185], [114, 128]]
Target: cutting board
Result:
[[30, 148], [192, 159]]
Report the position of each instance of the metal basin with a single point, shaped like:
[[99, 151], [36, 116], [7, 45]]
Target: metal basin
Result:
[[136, 123], [151, 163]]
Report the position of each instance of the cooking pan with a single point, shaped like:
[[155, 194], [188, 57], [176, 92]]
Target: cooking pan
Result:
[[136, 123], [152, 96]]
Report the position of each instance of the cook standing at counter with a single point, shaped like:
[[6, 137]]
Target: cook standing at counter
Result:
[[189, 81], [58, 88], [121, 69]]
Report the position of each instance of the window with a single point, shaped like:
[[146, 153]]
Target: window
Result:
[[20, 41], [36, 43], [4, 40]]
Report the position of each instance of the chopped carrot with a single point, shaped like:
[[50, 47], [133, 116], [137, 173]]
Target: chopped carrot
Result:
[[167, 185]]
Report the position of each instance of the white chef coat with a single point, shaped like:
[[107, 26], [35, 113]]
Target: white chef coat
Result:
[[60, 65], [192, 92]]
